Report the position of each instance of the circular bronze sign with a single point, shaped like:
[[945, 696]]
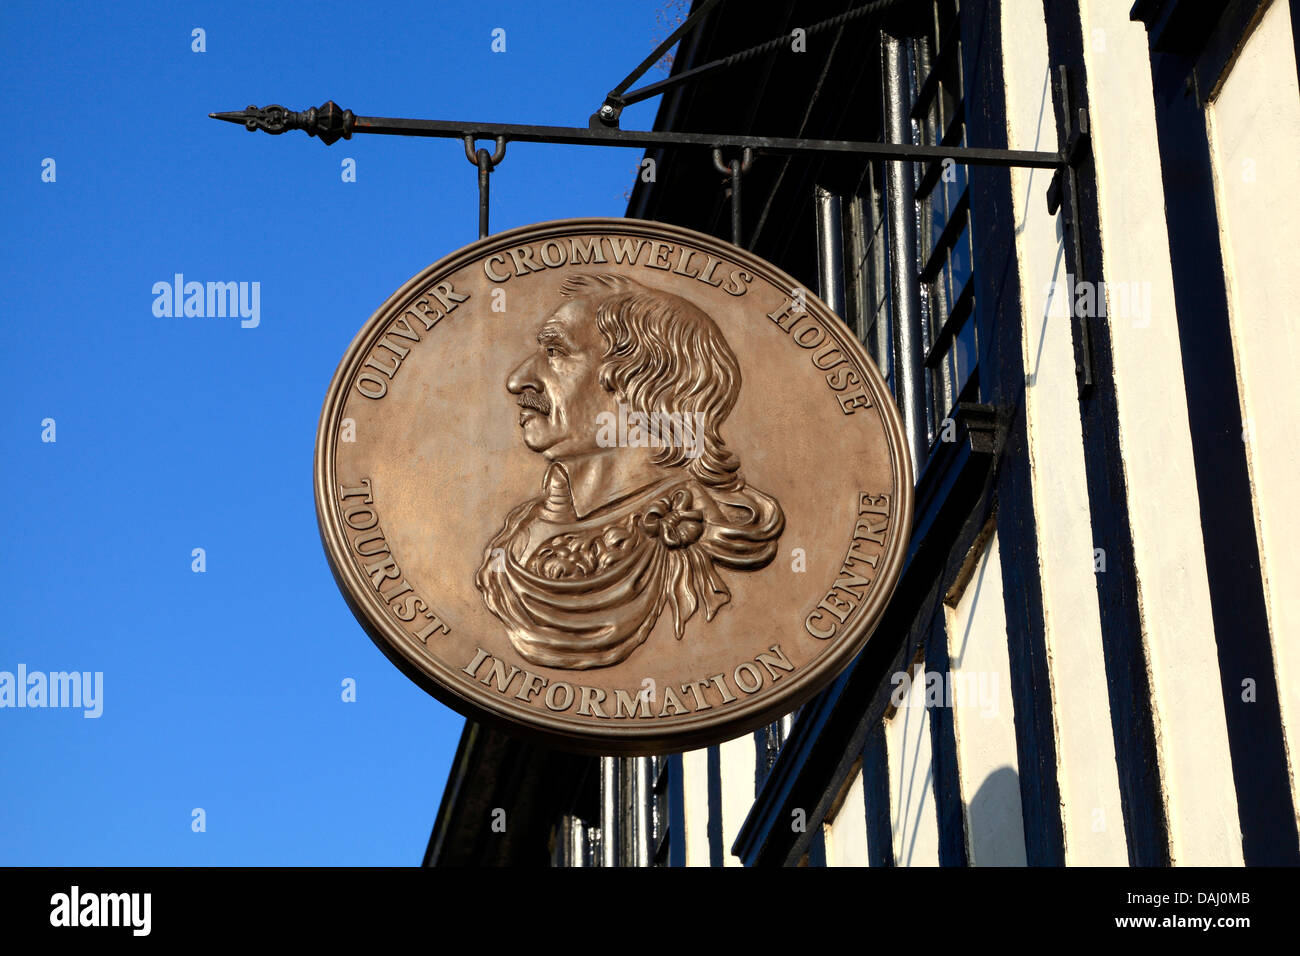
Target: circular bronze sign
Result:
[[615, 484]]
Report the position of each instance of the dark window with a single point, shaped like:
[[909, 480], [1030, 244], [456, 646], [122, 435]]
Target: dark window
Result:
[[940, 308], [867, 282], [934, 287], [660, 836], [942, 193]]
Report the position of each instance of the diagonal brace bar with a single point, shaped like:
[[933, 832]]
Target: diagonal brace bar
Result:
[[609, 113]]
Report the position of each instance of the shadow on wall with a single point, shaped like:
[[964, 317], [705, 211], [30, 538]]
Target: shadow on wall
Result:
[[995, 829]]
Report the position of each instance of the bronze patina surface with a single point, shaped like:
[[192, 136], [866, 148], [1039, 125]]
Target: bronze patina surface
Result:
[[615, 484]]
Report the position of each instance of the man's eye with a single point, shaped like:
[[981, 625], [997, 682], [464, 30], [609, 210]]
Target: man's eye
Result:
[[552, 351]]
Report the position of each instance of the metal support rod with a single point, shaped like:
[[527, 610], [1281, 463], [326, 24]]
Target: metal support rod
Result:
[[636, 139], [331, 124], [484, 171], [735, 169], [609, 806], [485, 162], [735, 202], [830, 249], [771, 46], [638, 784]]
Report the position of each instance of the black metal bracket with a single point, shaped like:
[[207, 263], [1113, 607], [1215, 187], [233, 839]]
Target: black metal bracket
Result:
[[330, 123], [343, 124], [1063, 194]]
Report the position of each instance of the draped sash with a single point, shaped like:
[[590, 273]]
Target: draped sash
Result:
[[593, 591]]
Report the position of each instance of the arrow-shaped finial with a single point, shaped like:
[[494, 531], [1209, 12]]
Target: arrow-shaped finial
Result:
[[327, 121]]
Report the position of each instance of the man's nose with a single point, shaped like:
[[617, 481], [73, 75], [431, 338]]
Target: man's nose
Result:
[[524, 376]]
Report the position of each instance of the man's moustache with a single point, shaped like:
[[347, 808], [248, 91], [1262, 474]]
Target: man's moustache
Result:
[[535, 401]]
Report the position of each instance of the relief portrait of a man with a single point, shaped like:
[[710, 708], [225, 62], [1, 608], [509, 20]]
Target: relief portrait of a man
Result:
[[628, 523]]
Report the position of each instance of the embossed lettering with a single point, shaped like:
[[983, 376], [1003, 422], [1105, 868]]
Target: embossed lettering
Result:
[[498, 673], [755, 676], [447, 297], [696, 689], [472, 667], [591, 252], [850, 587], [589, 705], [551, 696], [771, 663], [683, 260], [659, 255], [626, 704], [624, 250], [435, 624], [727, 695], [530, 685], [672, 700]]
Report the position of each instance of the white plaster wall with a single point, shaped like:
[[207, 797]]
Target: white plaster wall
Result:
[[695, 787], [984, 717], [914, 822], [1173, 594], [846, 834], [1091, 815], [739, 761], [1254, 127]]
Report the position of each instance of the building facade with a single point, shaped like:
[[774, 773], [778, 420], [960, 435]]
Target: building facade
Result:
[[1093, 654]]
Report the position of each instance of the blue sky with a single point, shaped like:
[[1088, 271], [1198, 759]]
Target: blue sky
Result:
[[222, 690]]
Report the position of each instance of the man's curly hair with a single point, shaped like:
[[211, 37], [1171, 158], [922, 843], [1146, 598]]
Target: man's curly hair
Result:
[[664, 354]]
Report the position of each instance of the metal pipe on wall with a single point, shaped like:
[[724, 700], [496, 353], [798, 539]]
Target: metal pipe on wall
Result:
[[909, 349]]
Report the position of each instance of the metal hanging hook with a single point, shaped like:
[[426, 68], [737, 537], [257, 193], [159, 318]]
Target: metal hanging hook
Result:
[[486, 162], [735, 169]]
